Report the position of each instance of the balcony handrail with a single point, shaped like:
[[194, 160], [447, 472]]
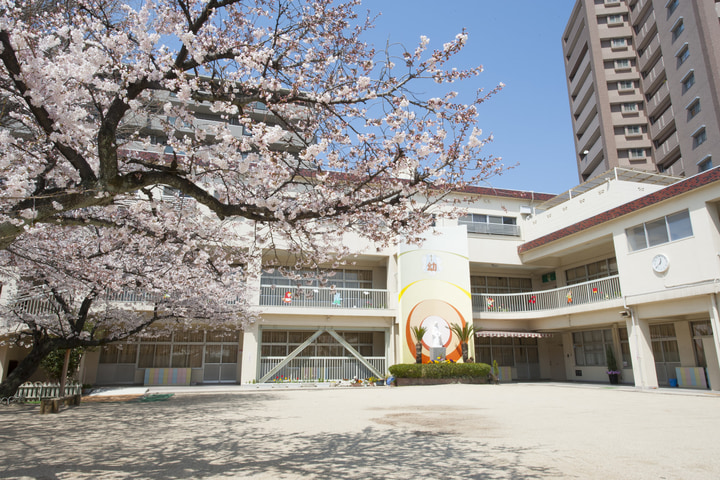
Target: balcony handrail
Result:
[[322, 297], [593, 291]]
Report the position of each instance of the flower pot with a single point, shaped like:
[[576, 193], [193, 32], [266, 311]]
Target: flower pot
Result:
[[614, 378]]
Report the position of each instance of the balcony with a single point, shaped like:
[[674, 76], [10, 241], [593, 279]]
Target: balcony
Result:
[[639, 10], [322, 297], [650, 54], [663, 124], [587, 293], [668, 148], [647, 27], [659, 100]]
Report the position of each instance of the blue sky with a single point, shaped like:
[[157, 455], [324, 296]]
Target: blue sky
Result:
[[518, 42]]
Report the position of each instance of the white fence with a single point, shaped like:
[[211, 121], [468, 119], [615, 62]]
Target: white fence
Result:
[[313, 369], [322, 297], [38, 390], [594, 291]]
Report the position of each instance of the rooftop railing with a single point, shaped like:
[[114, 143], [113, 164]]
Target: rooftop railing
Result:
[[594, 291]]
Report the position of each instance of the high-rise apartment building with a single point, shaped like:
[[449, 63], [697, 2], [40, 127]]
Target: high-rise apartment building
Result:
[[643, 78]]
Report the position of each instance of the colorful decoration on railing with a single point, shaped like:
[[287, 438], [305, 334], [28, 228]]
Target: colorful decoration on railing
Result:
[[569, 296], [533, 299], [490, 303], [288, 297], [337, 299]]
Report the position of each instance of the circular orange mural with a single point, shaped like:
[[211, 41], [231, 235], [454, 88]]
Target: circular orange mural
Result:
[[436, 316]]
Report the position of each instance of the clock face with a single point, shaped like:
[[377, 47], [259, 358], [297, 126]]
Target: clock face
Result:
[[660, 263]]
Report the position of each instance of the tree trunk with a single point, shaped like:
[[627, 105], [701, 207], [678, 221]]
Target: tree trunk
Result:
[[63, 377], [464, 347], [418, 352], [26, 367]]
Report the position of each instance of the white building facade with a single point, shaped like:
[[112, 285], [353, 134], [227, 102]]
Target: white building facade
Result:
[[627, 262]]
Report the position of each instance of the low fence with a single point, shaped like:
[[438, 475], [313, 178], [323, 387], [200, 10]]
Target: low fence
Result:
[[314, 369], [38, 390]]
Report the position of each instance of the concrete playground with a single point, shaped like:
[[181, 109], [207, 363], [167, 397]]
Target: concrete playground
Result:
[[513, 431]]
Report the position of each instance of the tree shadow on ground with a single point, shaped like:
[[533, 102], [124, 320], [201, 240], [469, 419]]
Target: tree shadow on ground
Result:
[[224, 436]]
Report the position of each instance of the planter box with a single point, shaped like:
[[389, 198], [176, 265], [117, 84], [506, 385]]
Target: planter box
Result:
[[402, 382]]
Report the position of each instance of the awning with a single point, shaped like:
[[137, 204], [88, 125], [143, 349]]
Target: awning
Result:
[[495, 333]]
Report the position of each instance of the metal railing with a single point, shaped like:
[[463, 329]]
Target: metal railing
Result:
[[594, 291], [492, 228], [322, 297], [314, 369]]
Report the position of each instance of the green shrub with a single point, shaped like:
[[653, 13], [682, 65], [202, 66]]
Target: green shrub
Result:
[[440, 370]]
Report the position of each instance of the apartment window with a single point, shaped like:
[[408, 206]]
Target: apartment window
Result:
[[590, 347], [636, 153], [591, 271], [671, 6], [660, 231], [699, 137], [610, 3], [633, 130], [622, 64], [624, 85], [694, 108], [618, 43], [705, 164], [682, 54], [629, 107], [688, 81], [490, 224], [614, 19], [678, 28]]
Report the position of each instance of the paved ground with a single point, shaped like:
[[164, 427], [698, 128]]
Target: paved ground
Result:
[[517, 431]]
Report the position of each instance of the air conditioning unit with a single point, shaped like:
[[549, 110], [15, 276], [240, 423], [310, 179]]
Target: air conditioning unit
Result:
[[526, 210]]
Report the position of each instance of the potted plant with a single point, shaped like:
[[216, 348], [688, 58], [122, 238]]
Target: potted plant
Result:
[[612, 368], [418, 333], [464, 334]]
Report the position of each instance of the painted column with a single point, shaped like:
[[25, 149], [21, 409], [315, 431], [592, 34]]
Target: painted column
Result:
[[434, 280], [643, 360]]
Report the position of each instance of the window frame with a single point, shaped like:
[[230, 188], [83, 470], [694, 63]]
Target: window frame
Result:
[[590, 347], [699, 136], [632, 233]]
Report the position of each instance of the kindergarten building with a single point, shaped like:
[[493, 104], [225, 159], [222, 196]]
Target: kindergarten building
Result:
[[627, 262]]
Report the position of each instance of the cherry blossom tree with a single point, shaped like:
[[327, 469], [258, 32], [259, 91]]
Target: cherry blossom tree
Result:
[[314, 133]]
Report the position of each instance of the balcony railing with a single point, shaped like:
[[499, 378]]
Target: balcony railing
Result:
[[492, 228], [313, 369], [322, 297], [594, 291]]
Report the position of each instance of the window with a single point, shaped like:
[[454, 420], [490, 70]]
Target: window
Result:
[[280, 343], [625, 347], [625, 85], [633, 130], [636, 153], [629, 107], [700, 137], [614, 19], [617, 43], [490, 224], [671, 6], [682, 54], [309, 278], [678, 28], [688, 81], [590, 347], [659, 231], [699, 330], [508, 351], [622, 64], [493, 284], [705, 164], [694, 108], [591, 271]]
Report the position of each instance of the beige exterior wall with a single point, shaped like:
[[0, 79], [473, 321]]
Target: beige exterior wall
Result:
[[652, 59]]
